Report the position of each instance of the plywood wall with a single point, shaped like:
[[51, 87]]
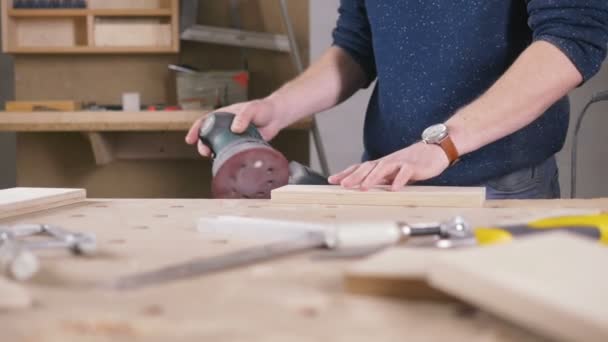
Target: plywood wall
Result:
[[67, 158], [7, 140], [103, 78]]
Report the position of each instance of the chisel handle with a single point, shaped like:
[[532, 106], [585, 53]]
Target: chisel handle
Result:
[[591, 226]]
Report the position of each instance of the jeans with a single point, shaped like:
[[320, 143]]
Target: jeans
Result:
[[538, 182]]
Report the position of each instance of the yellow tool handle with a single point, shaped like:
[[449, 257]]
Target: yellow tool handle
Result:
[[591, 226]]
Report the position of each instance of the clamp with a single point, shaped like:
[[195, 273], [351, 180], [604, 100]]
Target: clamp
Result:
[[17, 259]]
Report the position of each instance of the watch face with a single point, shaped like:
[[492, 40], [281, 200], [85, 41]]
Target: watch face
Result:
[[434, 134]]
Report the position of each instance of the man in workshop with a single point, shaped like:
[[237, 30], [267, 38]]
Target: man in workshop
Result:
[[468, 92]]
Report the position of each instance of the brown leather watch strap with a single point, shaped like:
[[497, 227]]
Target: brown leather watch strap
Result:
[[450, 149]]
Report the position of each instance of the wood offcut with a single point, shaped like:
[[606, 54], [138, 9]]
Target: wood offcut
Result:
[[19, 201], [553, 284], [423, 196]]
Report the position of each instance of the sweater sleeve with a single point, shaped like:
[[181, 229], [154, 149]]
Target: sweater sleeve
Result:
[[579, 28], [353, 34]]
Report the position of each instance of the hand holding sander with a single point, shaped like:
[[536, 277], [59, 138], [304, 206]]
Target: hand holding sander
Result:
[[246, 166]]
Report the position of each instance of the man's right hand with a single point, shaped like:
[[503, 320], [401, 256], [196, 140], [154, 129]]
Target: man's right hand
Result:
[[328, 81], [262, 113]]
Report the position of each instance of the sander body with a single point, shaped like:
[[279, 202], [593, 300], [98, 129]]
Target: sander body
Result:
[[245, 165]]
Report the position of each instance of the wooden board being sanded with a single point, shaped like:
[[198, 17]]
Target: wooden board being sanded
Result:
[[19, 201], [427, 196], [554, 284]]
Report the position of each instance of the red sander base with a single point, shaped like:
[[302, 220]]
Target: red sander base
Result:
[[249, 171]]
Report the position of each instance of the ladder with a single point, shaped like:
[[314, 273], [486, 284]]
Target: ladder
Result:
[[191, 31]]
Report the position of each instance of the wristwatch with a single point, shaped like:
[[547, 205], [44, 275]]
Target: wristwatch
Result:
[[439, 135]]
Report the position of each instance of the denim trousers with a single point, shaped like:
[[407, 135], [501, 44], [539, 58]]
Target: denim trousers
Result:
[[537, 182]]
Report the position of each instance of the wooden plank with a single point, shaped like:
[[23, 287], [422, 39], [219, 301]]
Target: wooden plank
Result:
[[5, 24], [46, 33], [115, 32], [31, 106], [90, 31], [553, 284], [175, 24], [122, 4], [403, 271], [132, 12], [106, 121], [111, 12], [19, 201], [70, 76], [408, 196], [90, 50]]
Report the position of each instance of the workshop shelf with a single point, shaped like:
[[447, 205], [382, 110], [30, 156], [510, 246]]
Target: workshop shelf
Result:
[[104, 27]]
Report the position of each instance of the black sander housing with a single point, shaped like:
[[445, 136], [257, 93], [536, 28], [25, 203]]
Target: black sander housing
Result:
[[246, 166]]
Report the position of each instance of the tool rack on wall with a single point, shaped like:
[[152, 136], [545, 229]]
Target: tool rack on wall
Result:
[[102, 26]]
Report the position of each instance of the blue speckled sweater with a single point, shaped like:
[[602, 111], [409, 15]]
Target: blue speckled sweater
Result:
[[431, 57]]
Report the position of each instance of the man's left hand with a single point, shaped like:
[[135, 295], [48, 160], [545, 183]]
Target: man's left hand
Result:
[[417, 162]]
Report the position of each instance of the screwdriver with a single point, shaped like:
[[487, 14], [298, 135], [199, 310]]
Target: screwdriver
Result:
[[456, 233], [591, 226]]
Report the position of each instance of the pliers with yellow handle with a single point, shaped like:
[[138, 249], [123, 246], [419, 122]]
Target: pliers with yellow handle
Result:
[[457, 233]]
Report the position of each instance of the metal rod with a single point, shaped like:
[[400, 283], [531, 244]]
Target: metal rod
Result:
[[295, 51], [297, 60]]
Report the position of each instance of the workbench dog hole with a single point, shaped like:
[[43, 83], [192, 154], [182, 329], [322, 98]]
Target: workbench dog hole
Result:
[[78, 215], [161, 215], [141, 227], [177, 206], [153, 310]]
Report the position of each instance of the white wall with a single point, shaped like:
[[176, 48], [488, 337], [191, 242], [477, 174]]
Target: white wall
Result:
[[342, 127], [593, 142]]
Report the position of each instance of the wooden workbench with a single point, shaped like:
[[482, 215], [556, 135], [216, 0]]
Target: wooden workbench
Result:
[[294, 299], [122, 154]]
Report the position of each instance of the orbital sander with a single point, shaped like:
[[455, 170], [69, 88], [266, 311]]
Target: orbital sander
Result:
[[245, 165]]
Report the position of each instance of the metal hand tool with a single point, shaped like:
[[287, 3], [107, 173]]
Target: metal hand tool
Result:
[[77, 243], [344, 236], [16, 251], [351, 236], [457, 233]]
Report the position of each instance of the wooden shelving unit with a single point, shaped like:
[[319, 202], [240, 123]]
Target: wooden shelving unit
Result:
[[126, 26], [110, 121], [127, 12]]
